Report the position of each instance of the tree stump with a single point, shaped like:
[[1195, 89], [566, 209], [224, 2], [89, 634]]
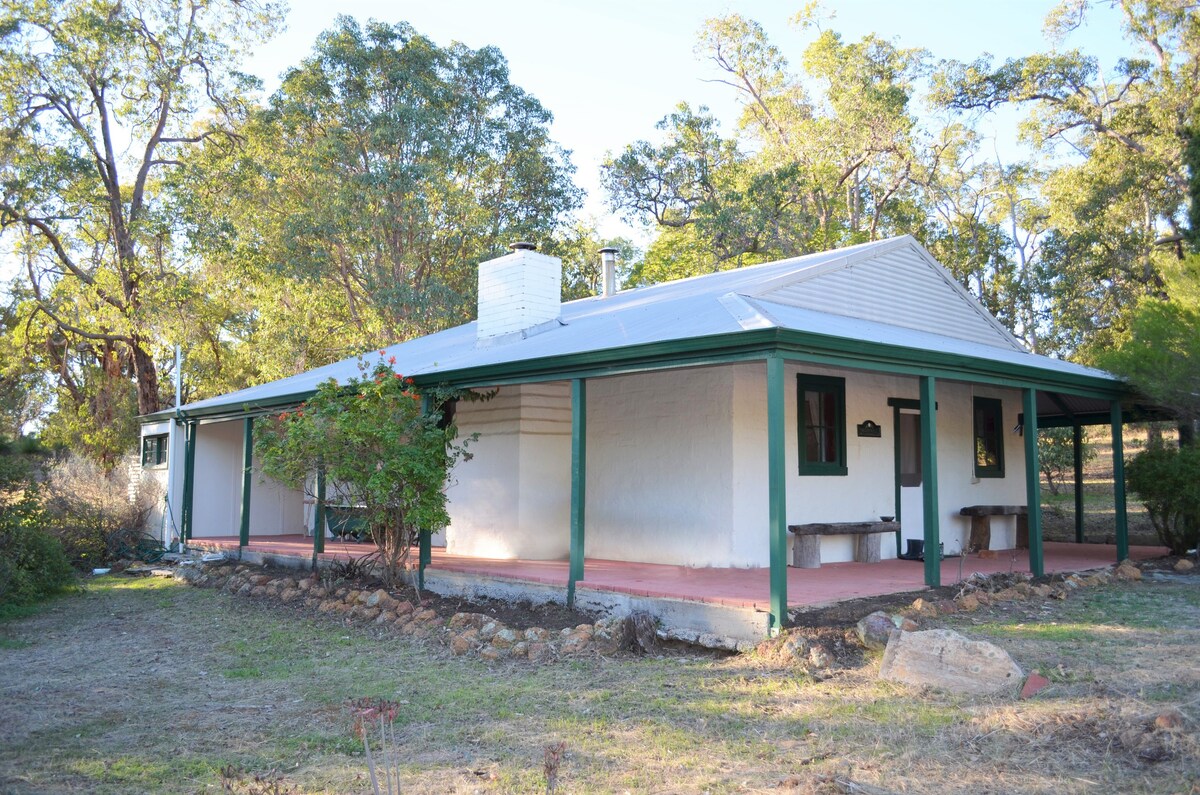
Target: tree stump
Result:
[[1022, 531], [981, 533], [806, 552], [866, 548]]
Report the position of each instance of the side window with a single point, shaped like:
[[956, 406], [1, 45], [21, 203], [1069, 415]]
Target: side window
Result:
[[822, 424], [989, 438], [154, 451]]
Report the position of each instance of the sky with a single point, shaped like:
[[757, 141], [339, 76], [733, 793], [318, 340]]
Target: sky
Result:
[[610, 69]]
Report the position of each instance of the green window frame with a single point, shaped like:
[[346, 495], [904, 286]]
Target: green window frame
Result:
[[154, 451], [989, 437], [821, 405]]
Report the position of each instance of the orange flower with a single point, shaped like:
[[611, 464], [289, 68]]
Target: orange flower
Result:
[[409, 381], [382, 352], [397, 375], [391, 360]]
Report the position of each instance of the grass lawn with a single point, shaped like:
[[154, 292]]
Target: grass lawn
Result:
[[146, 685]]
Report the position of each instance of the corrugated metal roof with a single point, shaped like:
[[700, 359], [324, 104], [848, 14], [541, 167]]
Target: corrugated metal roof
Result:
[[766, 296]]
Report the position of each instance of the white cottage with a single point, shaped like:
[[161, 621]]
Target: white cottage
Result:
[[693, 422]]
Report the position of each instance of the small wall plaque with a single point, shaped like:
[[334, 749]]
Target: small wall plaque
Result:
[[869, 428]]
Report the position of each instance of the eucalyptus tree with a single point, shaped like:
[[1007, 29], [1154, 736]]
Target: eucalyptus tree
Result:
[[1118, 205], [805, 170], [98, 100], [382, 171]]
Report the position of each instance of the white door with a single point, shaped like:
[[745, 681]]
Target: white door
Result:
[[908, 461]]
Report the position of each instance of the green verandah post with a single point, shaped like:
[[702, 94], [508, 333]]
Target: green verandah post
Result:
[[777, 491], [1118, 457], [424, 536], [319, 519], [578, 482], [247, 470], [189, 481], [929, 480], [1077, 451], [1033, 482]]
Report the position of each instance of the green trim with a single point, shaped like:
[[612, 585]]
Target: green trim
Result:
[[905, 403], [189, 481], [994, 410], [929, 482], [424, 554], [1077, 456], [578, 483], [777, 491], [896, 464], [729, 347], [828, 385], [247, 467], [319, 517], [1033, 482], [1119, 506]]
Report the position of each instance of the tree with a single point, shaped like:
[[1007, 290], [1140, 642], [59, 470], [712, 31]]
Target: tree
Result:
[[1160, 352], [378, 446], [382, 172], [1119, 205], [98, 99], [1056, 454], [1166, 479]]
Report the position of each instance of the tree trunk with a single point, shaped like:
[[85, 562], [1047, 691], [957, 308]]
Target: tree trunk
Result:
[[146, 374]]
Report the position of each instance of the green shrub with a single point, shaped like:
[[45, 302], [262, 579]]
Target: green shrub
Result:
[[1167, 480], [1056, 455], [33, 564]]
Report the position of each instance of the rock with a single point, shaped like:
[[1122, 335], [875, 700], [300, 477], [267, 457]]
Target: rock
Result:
[[312, 601], [519, 649], [612, 634], [492, 653], [258, 590], [575, 643], [537, 635], [1183, 564], [1127, 571], [489, 630], [369, 613], [288, 594], [585, 629], [385, 617], [1044, 591], [261, 579], [1024, 589], [425, 616], [403, 608], [1169, 720], [944, 659], [539, 652], [968, 603], [245, 589], [379, 598], [819, 656], [464, 642], [1033, 683], [186, 573], [924, 607], [466, 620], [304, 584], [327, 606], [645, 631], [904, 623], [1008, 595], [874, 630], [504, 639], [946, 607]]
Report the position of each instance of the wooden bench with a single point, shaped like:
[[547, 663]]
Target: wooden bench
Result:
[[806, 549], [981, 524]]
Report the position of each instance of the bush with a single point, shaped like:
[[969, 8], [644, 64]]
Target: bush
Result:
[[33, 564], [1167, 480], [1056, 455], [90, 512]]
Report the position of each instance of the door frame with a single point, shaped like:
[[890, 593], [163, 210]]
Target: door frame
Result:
[[910, 404]]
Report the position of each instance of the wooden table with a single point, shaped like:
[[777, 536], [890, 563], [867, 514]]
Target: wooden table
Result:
[[981, 524], [806, 550]]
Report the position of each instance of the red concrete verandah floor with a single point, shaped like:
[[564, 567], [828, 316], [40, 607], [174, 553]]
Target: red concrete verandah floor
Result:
[[747, 588]]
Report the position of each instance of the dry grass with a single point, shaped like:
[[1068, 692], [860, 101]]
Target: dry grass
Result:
[[147, 686]]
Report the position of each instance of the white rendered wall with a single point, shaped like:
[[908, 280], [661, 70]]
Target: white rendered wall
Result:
[[660, 474], [512, 499], [153, 483], [217, 490]]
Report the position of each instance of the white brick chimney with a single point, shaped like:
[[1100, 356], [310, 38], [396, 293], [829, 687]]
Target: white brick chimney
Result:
[[519, 292]]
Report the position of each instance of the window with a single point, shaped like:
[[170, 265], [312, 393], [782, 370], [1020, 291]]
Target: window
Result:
[[822, 426], [154, 451], [989, 438]]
